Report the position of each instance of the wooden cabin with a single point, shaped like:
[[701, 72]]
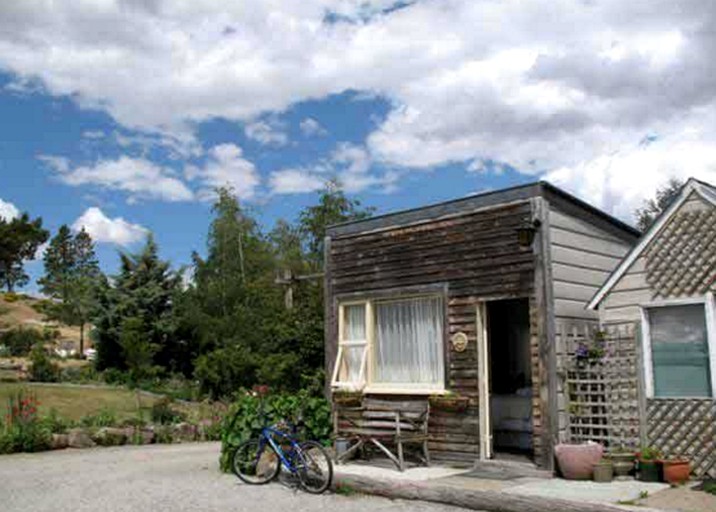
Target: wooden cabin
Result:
[[459, 302], [663, 291]]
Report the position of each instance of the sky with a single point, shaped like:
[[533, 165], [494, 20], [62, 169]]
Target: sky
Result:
[[124, 116]]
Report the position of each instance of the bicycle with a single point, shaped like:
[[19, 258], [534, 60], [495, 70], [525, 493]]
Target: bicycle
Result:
[[259, 461]]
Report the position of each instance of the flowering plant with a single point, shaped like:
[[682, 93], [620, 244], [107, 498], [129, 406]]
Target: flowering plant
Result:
[[592, 350]]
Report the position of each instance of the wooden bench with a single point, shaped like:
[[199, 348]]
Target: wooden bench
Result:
[[381, 422]]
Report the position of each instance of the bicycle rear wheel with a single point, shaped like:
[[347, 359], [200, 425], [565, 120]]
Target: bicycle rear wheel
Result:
[[255, 463], [315, 469]]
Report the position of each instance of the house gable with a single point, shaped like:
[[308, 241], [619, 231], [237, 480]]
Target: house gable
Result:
[[675, 257]]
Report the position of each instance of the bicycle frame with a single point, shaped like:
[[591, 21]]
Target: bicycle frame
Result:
[[267, 437]]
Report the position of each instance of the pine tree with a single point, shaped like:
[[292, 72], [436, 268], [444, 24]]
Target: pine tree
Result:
[[71, 278], [143, 290], [19, 240]]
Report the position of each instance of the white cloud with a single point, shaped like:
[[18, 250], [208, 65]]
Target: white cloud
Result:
[[310, 127], [268, 133], [511, 82], [226, 166], [350, 164], [137, 176], [295, 181], [8, 211], [103, 229], [93, 134]]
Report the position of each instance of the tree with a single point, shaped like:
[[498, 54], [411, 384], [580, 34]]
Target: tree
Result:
[[19, 240], [333, 207], [71, 278], [652, 208], [144, 290]]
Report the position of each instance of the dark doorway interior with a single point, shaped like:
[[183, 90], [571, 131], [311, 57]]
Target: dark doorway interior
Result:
[[508, 331]]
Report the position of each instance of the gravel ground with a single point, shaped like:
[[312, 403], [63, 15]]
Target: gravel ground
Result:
[[158, 478]]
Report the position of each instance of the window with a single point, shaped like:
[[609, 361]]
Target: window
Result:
[[681, 350], [391, 344], [352, 346]]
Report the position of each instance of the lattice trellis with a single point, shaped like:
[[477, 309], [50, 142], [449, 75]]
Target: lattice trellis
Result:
[[687, 427], [682, 259], [602, 395]]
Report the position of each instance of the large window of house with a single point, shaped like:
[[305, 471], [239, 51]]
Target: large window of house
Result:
[[680, 350], [391, 344]]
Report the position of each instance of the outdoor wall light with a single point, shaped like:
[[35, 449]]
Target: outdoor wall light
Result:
[[526, 232]]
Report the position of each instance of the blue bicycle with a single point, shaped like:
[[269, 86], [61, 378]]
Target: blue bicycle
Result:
[[259, 461]]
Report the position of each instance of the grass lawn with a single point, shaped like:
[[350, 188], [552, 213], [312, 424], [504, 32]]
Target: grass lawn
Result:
[[74, 402]]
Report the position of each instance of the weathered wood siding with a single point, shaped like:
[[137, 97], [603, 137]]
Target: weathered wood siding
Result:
[[475, 256], [583, 255]]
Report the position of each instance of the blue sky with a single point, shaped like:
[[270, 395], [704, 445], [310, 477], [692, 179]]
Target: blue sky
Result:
[[122, 116]]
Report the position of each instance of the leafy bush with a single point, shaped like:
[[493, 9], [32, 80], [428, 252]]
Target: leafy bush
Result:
[[115, 376], [55, 423], [23, 431], [164, 414], [245, 419], [19, 341], [42, 369], [79, 374], [164, 435], [104, 418], [11, 297]]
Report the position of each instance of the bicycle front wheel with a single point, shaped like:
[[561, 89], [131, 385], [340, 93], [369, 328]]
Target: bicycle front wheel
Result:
[[315, 469], [255, 463]]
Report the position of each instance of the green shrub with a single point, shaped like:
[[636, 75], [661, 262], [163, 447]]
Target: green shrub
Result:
[[164, 414], [23, 430], [104, 418], [164, 435], [115, 376], [55, 423], [79, 374], [20, 340], [244, 420], [11, 297], [42, 368]]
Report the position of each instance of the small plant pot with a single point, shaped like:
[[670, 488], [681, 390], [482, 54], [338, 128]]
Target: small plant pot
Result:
[[623, 463], [676, 471], [648, 471], [452, 404], [603, 472]]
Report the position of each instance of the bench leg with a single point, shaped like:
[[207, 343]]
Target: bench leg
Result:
[[350, 451], [400, 455], [426, 453], [388, 453]]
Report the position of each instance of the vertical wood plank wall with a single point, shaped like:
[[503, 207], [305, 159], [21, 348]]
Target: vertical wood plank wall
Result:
[[477, 256]]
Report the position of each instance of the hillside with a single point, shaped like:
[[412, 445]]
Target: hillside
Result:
[[22, 312]]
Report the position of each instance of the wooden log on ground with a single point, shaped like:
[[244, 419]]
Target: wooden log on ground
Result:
[[490, 501]]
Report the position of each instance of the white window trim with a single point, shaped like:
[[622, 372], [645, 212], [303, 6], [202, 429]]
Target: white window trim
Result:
[[709, 303], [366, 383]]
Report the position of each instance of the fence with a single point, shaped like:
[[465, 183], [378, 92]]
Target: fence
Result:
[[599, 384]]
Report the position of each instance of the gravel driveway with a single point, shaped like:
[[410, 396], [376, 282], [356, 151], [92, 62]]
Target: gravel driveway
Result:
[[170, 478]]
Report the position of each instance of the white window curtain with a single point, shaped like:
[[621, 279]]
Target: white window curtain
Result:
[[408, 342]]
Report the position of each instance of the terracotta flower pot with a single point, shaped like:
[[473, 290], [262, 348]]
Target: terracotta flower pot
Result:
[[576, 461], [676, 471]]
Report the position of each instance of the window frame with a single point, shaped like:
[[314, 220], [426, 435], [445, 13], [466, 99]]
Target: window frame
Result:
[[709, 305], [368, 385]]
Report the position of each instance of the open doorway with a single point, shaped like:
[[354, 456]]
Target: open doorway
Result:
[[510, 378]]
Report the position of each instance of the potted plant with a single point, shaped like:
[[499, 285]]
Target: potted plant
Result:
[[676, 470], [449, 401], [623, 461], [603, 471], [347, 398], [648, 467]]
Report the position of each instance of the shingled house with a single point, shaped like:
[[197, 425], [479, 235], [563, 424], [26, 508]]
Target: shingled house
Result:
[[463, 299], [663, 290]]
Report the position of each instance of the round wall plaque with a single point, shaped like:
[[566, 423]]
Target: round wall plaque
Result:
[[459, 342]]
